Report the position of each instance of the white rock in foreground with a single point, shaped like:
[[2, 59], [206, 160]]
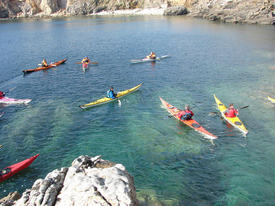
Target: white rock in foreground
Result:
[[89, 181]]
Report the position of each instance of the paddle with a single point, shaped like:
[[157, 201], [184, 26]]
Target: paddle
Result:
[[89, 63], [11, 89], [239, 108], [48, 65]]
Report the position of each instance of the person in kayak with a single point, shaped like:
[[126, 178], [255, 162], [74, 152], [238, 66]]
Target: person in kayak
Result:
[[231, 111], [2, 94], [186, 114], [85, 61], [44, 63], [111, 93], [152, 55]]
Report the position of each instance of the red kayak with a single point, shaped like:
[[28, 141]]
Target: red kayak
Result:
[[45, 68], [191, 123], [13, 169]]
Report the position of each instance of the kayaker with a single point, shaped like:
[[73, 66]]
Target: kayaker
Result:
[[85, 60], [231, 111], [44, 63], [111, 93], [186, 114], [152, 55], [2, 94]]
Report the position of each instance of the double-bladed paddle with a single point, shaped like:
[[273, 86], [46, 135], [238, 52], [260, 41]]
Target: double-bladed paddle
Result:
[[89, 63], [239, 108]]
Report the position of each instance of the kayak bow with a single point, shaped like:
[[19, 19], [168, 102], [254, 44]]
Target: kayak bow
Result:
[[234, 121], [9, 171], [271, 99], [45, 68], [105, 100], [7, 100], [191, 123]]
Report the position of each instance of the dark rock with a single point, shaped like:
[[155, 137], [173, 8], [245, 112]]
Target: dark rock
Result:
[[4, 13], [101, 8], [9, 200], [175, 11]]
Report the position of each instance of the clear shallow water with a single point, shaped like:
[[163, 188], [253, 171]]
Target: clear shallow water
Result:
[[171, 163]]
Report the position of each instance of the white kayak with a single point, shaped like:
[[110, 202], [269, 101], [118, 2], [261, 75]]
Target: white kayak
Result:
[[135, 61], [1, 114], [7, 100]]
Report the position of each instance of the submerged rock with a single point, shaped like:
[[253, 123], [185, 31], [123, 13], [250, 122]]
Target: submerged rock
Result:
[[89, 181]]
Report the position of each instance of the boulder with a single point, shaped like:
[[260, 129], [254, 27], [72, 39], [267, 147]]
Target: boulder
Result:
[[90, 181], [175, 11]]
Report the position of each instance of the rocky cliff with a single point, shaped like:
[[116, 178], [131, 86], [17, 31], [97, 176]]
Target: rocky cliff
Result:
[[89, 181], [234, 11]]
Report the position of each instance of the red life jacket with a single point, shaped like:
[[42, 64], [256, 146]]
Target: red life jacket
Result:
[[232, 112], [183, 112]]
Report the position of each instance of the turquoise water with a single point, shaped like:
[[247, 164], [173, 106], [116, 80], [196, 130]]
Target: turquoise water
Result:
[[171, 163]]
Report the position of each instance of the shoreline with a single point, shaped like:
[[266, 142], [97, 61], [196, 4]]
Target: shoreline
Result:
[[161, 11]]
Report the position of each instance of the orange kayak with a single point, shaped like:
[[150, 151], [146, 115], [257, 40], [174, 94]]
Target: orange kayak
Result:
[[191, 123], [44, 68], [9, 171]]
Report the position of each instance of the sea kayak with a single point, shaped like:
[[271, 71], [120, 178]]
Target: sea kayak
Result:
[[1, 114], [13, 169], [191, 123], [234, 121], [7, 100], [44, 68], [271, 99], [135, 61], [105, 100]]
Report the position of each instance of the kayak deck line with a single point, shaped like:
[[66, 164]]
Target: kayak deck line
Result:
[[106, 100], [55, 64], [234, 121], [191, 123]]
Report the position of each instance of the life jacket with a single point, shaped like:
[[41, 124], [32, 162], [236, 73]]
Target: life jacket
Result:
[[185, 114], [85, 60], [232, 112], [110, 94], [44, 63]]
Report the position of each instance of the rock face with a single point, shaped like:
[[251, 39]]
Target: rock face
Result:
[[233, 11], [89, 181]]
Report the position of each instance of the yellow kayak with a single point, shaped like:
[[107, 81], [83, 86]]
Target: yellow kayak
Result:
[[234, 121], [105, 100], [271, 99]]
